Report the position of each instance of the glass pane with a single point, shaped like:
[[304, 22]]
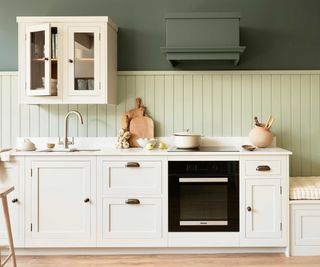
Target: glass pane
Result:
[[203, 202], [37, 68], [84, 61], [54, 60]]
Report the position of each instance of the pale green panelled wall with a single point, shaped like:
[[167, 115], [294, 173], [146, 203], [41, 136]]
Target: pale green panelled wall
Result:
[[211, 103]]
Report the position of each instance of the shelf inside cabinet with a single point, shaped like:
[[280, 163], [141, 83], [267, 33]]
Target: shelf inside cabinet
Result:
[[85, 59], [42, 59]]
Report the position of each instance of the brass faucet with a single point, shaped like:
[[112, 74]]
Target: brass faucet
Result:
[[66, 142]]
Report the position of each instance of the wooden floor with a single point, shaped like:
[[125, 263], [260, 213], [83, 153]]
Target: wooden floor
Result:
[[221, 260]]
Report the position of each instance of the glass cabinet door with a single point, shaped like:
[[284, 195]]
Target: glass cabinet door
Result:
[[83, 61], [41, 60]]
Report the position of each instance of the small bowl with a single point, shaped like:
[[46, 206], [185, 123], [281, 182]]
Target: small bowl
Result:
[[144, 141], [50, 145], [248, 147]]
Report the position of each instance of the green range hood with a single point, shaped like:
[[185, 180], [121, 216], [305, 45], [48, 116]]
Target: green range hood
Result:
[[202, 37]]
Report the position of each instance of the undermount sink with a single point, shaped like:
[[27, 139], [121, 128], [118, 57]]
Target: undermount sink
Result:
[[69, 150]]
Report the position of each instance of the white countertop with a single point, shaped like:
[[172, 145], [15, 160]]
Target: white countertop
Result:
[[107, 148], [154, 152]]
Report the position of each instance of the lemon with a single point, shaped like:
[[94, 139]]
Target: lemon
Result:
[[162, 146], [149, 146]]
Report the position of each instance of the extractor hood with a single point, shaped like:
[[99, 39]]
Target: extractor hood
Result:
[[202, 37]]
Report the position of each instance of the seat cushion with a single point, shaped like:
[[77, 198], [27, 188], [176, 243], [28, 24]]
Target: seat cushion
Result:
[[305, 188]]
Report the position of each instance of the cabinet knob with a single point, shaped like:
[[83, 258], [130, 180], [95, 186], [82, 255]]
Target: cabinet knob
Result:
[[249, 209], [46, 59], [263, 168], [15, 200], [133, 201], [86, 200], [70, 61], [132, 165]]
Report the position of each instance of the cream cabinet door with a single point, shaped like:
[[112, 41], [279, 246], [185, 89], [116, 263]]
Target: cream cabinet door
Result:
[[83, 64], [131, 222], [10, 176], [41, 60], [62, 203], [263, 217]]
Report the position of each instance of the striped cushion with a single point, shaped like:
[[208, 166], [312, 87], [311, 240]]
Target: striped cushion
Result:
[[305, 187]]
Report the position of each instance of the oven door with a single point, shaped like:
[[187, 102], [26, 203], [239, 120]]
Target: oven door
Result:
[[209, 204]]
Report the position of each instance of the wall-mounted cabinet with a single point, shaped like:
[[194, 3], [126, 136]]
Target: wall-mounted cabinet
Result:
[[65, 60]]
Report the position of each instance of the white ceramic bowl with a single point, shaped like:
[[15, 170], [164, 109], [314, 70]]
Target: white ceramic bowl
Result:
[[144, 141], [27, 145]]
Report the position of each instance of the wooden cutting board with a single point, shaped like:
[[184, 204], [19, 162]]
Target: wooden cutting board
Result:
[[140, 127], [138, 111]]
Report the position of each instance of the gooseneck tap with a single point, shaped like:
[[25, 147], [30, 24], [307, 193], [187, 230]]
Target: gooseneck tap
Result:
[[66, 126]]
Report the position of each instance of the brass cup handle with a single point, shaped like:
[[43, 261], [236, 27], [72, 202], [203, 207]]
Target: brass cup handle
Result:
[[132, 165], [132, 201], [15, 200], [86, 200], [249, 209], [263, 168]]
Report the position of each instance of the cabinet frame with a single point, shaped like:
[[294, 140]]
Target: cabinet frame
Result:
[[159, 198], [105, 91], [264, 240]]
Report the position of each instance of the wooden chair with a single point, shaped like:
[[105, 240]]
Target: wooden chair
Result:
[[3, 195]]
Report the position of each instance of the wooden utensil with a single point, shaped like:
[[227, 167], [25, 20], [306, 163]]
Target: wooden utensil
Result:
[[267, 123], [248, 147], [270, 123], [5, 150], [257, 122], [140, 127]]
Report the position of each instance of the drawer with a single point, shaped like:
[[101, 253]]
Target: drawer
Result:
[[263, 168], [122, 177], [132, 218], [305, 231]]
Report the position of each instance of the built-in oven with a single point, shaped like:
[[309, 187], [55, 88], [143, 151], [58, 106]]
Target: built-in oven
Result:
[[203, 196]]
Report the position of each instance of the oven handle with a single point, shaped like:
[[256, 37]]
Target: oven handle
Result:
[[203, 180]]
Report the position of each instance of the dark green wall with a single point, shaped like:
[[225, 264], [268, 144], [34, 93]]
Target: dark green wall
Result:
[[279, 34]]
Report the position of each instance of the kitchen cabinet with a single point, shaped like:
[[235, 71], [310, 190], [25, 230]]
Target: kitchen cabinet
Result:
[[67, 60], [131, 221], [131, 202], [10, 173], [119, 199], [262, 210], [61, 196], [125, 177]]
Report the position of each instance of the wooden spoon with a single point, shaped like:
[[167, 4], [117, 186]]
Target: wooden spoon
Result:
[[267, 123], [270, 123]]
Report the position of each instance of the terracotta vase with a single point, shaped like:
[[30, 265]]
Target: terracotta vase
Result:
[[260, 137]]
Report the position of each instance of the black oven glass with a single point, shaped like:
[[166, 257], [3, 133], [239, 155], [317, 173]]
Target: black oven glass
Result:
[[204, 199], [204, 196]]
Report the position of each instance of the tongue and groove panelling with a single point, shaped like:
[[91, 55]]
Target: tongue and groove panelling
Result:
[[210, 103]]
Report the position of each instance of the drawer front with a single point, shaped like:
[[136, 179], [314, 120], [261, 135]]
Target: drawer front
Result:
[[132, 218], [306, 229], [263, 168], [131, 177]]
